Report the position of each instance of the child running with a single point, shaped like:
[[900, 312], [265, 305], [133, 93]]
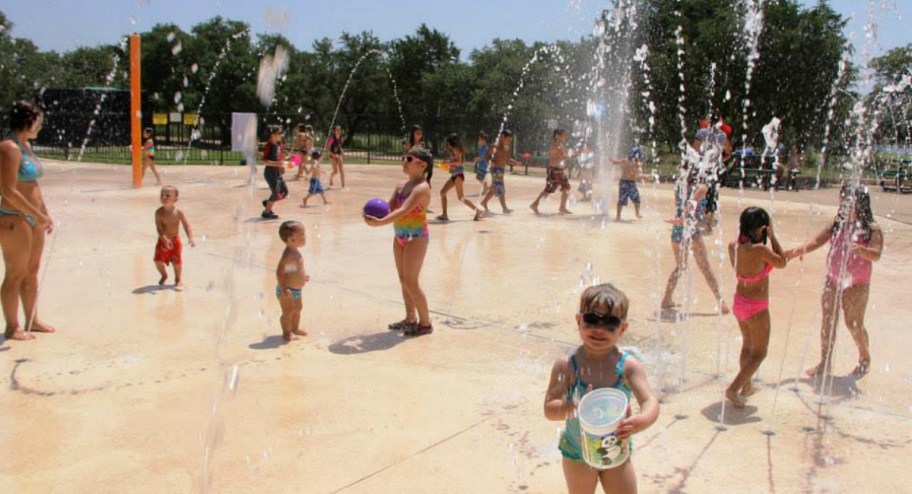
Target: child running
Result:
[[752, 260], [149, 155], [408, 214], [291, 278], [556, 175], [856, 241], [686, 236], [631, 171], [500, 156], [601, 321], [303, 146], [481, 162], [456, 165], [274, 162], [316, 186], [168, 220]]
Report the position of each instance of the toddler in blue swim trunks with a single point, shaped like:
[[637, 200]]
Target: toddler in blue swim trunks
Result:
[[601, 321], [291, 278]]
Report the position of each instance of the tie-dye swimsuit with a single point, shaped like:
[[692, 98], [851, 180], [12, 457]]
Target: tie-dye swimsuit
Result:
[[413, 225]]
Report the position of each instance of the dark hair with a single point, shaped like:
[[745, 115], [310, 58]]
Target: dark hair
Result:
[[274, 129], [308, 128], [316, 154], [411, 137], [288, 227], [483, 135], [301, 127], [23, 115], [753, 218], [424, 154], [506, 133], [454, 141], [557, 132], [149, 130], [864, 213], [605, 295]]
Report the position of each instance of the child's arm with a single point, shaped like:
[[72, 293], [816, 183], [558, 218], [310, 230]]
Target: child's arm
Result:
[[187, 230], [556, 406], [419, 193], [822, 237], [731, 252], [649, 404], [774, 255], [621, 161], [873, 251]]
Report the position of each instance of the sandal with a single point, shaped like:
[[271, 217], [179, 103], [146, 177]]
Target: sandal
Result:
[[401, 325], [418, 330]]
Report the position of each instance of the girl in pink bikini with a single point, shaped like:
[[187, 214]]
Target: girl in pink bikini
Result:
[[752, 260], [856, 241], [408, 214]]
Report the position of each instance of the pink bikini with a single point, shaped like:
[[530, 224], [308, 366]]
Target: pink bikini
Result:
[[745, 308], [857, 269]]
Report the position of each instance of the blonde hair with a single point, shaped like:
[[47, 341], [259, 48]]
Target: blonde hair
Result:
[[289, 227], [604, 295], [171, 188]]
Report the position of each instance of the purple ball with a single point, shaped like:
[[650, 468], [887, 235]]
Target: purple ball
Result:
[[376, 207]]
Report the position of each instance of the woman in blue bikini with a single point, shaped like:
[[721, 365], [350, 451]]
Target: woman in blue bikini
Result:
[[24, 221]]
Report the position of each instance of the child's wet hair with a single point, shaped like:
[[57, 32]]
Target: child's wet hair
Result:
[[316, 154], [753, 218], [862, 203], [506, 133], [170, 188], [148, 129], [557, 133], [274, 129], [23, 115], [302, 127], [425, 155], [454, 141], [289, 227], [604, 296]]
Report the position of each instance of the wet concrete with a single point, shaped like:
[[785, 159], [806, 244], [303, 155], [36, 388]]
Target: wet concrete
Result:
[[152, 390]]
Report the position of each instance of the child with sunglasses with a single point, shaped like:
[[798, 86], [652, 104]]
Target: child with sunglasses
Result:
[[601, 321], [408, 214]]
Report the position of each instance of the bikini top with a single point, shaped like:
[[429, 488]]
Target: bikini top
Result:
[[579, 386], [753, 279], [31, 168]]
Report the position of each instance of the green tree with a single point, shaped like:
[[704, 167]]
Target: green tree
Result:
[[891, 98]]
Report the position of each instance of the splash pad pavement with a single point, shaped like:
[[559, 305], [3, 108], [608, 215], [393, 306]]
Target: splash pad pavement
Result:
[[150, 390]]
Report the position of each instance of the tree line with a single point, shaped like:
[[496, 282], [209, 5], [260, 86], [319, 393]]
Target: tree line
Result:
[[424, 76]]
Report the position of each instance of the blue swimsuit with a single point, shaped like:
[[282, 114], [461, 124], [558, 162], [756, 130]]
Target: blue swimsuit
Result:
[[30, 170], [570, 440]]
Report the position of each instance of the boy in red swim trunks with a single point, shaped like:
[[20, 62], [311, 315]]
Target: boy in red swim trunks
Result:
[[168, 220]]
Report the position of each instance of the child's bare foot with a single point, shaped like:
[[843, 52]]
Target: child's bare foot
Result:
[[533, 207], [507, 211], [163, 279], [18, 335], [862, 369], [299, 332], [639, 216], [668, 304], [442, 218], [617, 218], [815, 370], [289, 336], [40, 327], [479, 214], [723, 308], [733, 397], [565, 211], [179, 286], [748, 389]]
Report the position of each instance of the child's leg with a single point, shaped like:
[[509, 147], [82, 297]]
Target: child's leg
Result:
[[342, 172], [854, 303], [580, 477], [16, 242], [487, 197], [443, 199], [297, 305], [534, 205], [323, 196], [619, 479], [158, 179], [178, 283], [160, 266], [565, 192], [755, 333], [680, 266], [463, 199], [335, 170], [829, 301], [503, 203], [412, 261], [618, 216], [398, 252], [636, 209], [699, 252], [287, 304], [308, 196]]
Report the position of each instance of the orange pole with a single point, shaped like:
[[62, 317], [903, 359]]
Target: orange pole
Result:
[[136, 110]]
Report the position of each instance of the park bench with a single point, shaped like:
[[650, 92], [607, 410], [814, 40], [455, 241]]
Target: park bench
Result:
[[894, 177]]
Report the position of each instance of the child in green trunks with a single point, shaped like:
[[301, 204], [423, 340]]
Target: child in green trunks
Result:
[[601, 320], [291, 278]]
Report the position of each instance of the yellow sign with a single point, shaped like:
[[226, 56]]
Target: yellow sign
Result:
[[159, 119], [191, 118]]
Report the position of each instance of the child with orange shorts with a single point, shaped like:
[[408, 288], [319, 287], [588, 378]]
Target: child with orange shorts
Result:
[[168, 220]]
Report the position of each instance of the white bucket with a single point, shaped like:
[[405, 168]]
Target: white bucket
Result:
[[599, 413]]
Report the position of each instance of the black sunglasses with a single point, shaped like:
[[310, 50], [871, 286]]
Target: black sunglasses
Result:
[[607, 321], [409, 158]]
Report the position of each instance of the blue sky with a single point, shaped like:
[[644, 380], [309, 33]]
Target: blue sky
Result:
[[471, 24]]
